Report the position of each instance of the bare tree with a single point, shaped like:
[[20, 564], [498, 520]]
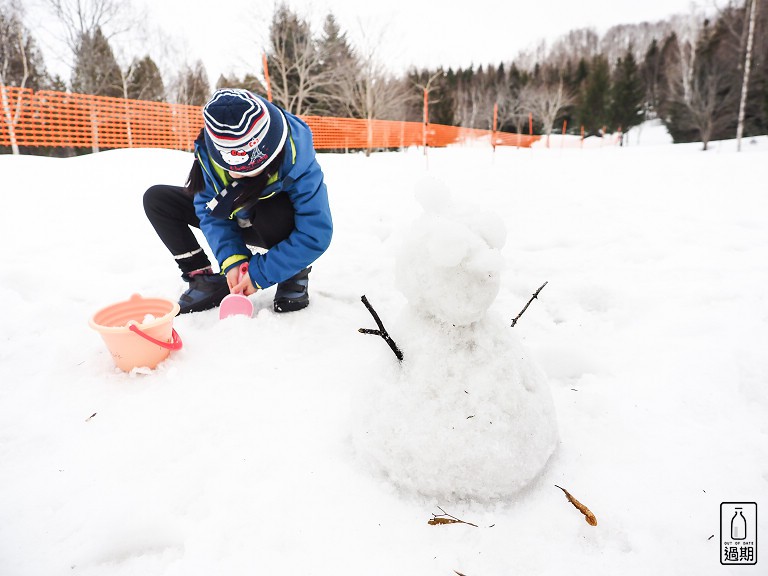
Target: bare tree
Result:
[[476, 95], [128, 62], [369, 91], [573, 46], [637, 37], [81, 17], [686, 29], [513, 108], [747, 69], [88, 26], [701, 85], [191, 85], [426, 88], [545, 103], [484, 95], [12, 50], [528, 59], [705, 108], [295, 63]]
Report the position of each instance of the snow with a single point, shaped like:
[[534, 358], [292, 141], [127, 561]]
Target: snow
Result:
[[240, 455]]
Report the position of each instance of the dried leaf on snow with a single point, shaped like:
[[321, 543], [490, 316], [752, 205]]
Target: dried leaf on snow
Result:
[[444, 518], [588, 516]]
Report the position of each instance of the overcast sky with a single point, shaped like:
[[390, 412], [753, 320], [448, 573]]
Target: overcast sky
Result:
[[229, 37]]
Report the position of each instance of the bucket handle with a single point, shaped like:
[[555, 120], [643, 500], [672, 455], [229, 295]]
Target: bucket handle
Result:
[[174, 344]]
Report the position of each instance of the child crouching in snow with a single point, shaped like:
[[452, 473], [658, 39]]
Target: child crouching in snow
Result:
[[255, 181]]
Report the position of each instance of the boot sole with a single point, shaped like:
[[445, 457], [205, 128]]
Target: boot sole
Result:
[[288, 305]]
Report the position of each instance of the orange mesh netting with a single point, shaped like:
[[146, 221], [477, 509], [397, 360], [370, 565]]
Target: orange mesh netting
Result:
[[48, 118]]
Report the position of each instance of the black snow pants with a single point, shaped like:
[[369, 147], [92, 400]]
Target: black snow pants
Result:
[[171, 212]]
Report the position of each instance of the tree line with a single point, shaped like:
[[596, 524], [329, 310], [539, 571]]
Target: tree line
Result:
[[687, 71]]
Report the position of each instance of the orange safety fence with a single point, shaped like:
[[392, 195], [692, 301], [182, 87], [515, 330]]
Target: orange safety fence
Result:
[[56, 119]]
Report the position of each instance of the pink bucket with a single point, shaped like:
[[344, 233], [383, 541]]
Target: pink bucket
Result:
[[138, 332]]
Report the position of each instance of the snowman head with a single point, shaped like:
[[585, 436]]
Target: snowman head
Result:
[[449, 264]]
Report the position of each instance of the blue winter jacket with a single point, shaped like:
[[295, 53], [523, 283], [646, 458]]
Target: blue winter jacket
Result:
[[300, 177]]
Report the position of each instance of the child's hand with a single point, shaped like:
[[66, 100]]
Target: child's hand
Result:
[[238, 285]]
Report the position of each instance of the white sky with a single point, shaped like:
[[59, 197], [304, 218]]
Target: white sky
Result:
[[406, 32]]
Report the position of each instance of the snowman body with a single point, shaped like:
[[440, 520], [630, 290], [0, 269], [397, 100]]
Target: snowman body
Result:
[[467, 415]]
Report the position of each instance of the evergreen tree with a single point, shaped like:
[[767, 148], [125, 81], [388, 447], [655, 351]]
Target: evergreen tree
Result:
[[334, 46], [249, 82], [58, 84], [145, 81], [651, 74], [96, 70], [21, 62], [338, 62], [594, 108], [463, 97], [759, 99], [442, 104], [627, 93]]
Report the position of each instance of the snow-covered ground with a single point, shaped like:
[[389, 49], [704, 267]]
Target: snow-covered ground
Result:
[[236, 456]]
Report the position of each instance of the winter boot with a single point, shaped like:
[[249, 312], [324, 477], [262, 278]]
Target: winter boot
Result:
[[205, 291], [292, 294]]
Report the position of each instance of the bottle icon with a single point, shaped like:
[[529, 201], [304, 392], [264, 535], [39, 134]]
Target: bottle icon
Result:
[[738, 525]]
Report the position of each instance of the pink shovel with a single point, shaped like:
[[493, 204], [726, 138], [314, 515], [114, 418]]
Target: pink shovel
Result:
[[236, 304]]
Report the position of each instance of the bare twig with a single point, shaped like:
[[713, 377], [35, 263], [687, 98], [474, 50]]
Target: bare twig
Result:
[[381, 331], [535, 295], [588, 516], [446, 518]]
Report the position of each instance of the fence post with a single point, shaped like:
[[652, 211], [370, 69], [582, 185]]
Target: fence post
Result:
[[94, 126], [565, 125], [369, 135], [495, 119], [426, 118], [266, 75]]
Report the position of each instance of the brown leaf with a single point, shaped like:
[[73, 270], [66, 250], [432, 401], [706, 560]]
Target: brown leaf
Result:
[[445, 518], [588, 516], [440, 520]]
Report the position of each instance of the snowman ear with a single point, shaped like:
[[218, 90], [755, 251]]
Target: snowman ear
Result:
[[490, 227], [433, 195]]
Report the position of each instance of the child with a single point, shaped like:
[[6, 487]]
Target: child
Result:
[[255, 181]]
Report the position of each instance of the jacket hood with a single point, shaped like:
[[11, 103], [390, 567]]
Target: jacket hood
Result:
[[299, 147]]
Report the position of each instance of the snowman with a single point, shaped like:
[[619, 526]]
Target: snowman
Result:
[[466, 415]]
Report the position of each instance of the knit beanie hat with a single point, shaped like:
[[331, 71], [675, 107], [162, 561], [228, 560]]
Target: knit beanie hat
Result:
[[243, 132]]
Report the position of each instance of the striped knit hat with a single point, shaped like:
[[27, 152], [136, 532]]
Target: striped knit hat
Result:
[[243, 132]]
